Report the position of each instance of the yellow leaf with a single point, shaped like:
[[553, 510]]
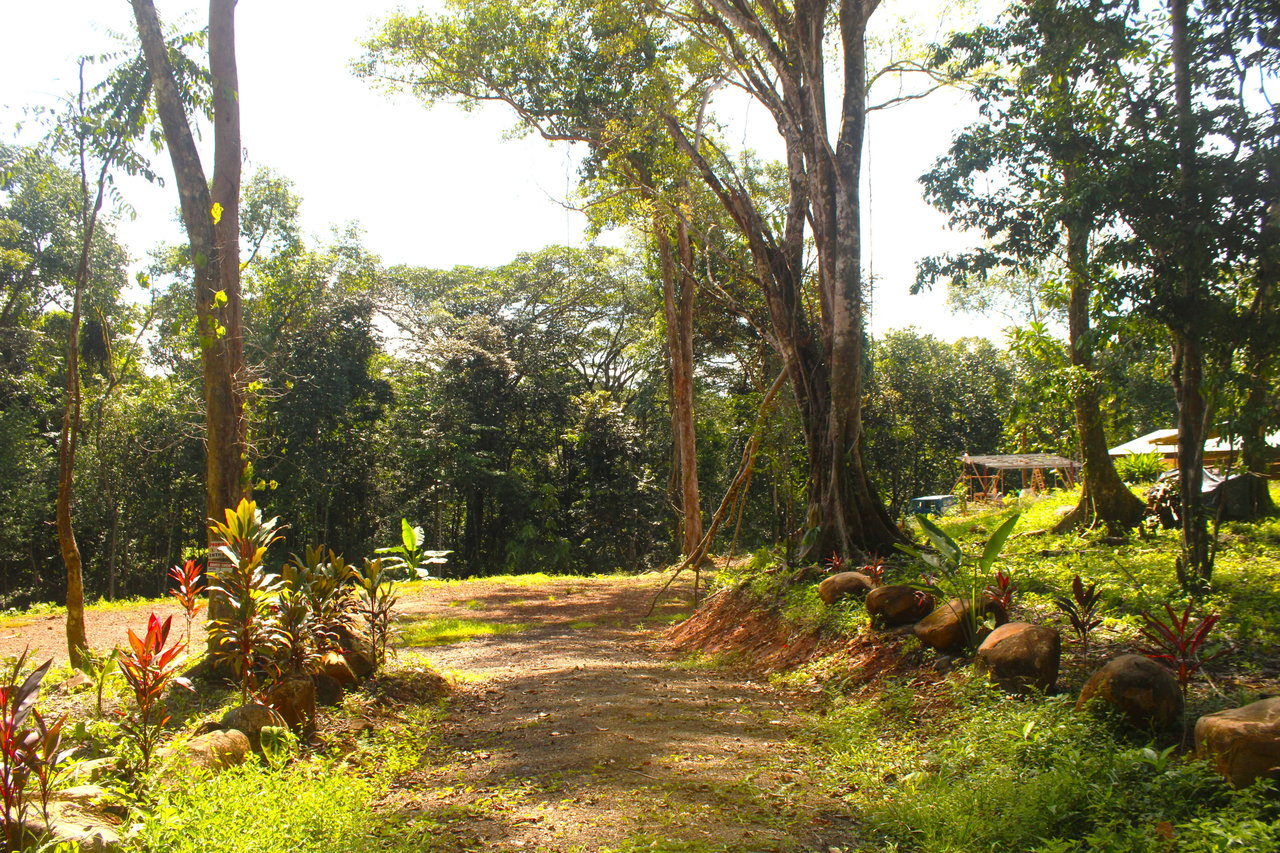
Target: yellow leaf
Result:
[[217, 213]]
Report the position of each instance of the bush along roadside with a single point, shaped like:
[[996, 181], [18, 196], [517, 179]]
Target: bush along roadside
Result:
[[316, 629], [1005, 755]]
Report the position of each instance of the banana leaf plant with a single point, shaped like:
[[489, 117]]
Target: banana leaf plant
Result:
[[410, 556], [960, 575]]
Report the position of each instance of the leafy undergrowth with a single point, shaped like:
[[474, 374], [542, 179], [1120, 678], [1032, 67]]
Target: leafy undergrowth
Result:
[[960, 767], [325, 793], [928, 757], [1138, 574]]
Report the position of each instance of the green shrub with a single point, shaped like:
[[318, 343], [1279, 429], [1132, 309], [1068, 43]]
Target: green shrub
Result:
[[1140, 468], [999, 773]]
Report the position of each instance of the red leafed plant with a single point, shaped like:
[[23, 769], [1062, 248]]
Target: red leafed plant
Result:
[[150, 668], [1082, 609], [1178, 643], [874, 569], [47, 757], [188, 590], [19, 747], [835, 563], [1001, 592]]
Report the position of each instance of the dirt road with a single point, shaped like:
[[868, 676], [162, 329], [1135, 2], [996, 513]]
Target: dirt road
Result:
[[583, 732]]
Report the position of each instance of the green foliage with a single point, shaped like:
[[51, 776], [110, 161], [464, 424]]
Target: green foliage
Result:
[[410, 555], [99, 668], [916, 435], [279, 745], [376, 599], [999, 773], [1140, 468], [961, 575], [308, 806], [248, 637], [322, 580]]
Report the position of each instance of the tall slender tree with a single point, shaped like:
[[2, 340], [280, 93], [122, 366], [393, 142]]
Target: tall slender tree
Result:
[[1028, 176], [592, 73], [210, 214]]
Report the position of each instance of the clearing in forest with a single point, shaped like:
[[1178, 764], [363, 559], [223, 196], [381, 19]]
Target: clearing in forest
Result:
[[571, 726]]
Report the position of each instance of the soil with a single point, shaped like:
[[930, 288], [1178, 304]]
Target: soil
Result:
[[585, 730], [105, 626]]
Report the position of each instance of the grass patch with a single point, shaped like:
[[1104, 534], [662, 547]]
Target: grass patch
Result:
[[312, 806], [581, 624], [991, 772], [1139, 574], [442, 631]]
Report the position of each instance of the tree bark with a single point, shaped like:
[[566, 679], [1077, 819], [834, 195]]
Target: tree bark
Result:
[[68, 437], [77, 642], [1196, 564], [211, 220], [1104, 498], [824, 364], [678, 300]]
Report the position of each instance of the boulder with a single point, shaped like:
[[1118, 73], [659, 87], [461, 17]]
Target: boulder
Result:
[[295, 701], [328, 689], [896, 605], [214, 750], [357, 649], [843, 585], [1021, 658], [84, 815], [949, 628], [250, 719], [335, 666], [1144, 691], [1243, 744]]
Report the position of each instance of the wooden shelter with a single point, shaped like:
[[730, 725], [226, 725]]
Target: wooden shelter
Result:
[[984, 476]]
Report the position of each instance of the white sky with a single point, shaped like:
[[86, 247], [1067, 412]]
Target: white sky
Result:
[[442, 187]]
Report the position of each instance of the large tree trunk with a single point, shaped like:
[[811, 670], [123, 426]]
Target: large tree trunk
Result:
[[1104, 498], [678, 291], [212, 225], [1196, 563], [825, 364]]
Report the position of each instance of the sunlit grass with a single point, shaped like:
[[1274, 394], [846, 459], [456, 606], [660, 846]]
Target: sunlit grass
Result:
[[443, 631]]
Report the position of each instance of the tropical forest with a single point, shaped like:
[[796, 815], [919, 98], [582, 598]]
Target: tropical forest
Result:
[[690, 426]]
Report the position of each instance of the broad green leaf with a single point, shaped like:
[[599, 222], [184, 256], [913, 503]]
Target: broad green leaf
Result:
[[996, 542], [944, 543]]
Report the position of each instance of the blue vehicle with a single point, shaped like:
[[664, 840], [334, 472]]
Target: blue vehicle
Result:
[[932, 504]]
